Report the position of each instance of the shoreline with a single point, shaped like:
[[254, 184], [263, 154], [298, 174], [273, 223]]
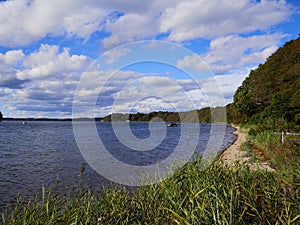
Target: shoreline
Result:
[[234, 154]]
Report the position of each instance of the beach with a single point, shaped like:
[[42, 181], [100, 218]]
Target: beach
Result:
[[234, 154]]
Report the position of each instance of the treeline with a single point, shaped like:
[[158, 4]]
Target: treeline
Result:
[[271, 93], [203, 115]]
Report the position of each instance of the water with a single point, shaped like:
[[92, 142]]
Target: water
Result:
[[41, 153]]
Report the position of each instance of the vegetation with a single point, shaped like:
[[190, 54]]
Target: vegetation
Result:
[[215, 195], [272, 91], [281, 156], [204, 115], [1, 116]]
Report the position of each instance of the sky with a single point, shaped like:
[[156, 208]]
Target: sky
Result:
[[74, 58]]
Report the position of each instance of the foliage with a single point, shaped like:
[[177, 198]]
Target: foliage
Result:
[[233, 116], [243, 100], [204, 115], [272, 90], [1, 116]]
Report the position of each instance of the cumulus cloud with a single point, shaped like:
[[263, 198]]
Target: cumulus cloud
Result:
[[151, 93], [48, 61], [187, 20], [130, 91], [114, 54], [22, 21], [8, 76], [236, 52], [148, 93], [42, 99], [130, 27], [12, 82], [230, 82], [192, 62], [209, 19], [43, 80], [12, 57], [228, 53]]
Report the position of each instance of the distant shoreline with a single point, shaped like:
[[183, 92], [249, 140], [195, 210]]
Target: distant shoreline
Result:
[[51, 119]]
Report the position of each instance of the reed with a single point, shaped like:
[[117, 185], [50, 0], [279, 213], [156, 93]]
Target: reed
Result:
[[216, 195]]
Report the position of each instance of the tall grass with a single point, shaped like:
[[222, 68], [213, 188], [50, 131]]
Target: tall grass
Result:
[[216, 195], [285, 158], [267, 140]]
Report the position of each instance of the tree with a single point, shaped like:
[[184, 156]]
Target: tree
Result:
[[243, 99], [1, 116]]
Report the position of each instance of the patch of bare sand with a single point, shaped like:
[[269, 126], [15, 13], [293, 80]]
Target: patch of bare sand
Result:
[[235, 154]]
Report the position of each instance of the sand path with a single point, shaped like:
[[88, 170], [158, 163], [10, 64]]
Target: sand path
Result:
[[235, 154]]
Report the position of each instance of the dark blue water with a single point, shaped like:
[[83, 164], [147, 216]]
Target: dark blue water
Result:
[[42, 153]]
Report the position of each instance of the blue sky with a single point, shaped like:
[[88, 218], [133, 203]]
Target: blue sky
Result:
[[46, 47]]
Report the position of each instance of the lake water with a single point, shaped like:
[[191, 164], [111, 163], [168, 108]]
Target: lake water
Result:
[[41, 153]]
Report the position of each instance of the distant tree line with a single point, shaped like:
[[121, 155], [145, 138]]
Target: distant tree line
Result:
[[1, 116], [204, 115]]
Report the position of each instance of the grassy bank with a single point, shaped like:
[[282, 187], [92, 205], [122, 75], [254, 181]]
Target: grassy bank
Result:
[[216, 195], [213, 196]]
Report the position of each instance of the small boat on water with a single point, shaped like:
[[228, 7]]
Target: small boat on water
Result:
[[172, 125], [24, 122]]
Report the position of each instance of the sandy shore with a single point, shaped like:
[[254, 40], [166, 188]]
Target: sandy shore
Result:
[[235, 154]]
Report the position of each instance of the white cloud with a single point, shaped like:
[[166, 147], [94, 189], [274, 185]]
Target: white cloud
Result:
[[152, 93], [236, 52], [192, 62], [130, 27], [114, 54], [228, 53], [48, 61], [10, 58], [43, 81], [230, 82], [129, 91], [209, 19], [22, 23]]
